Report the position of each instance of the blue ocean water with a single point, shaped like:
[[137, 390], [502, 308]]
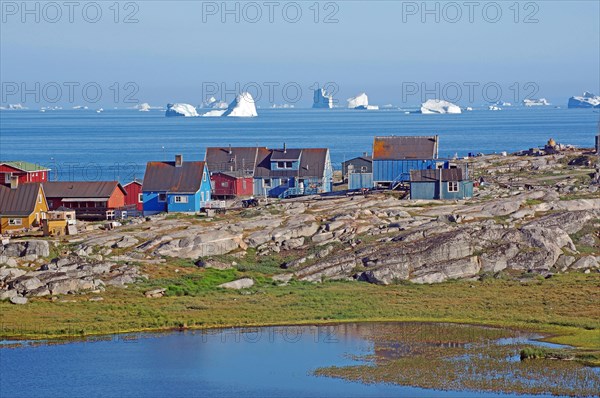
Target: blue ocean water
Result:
[[116, 144]]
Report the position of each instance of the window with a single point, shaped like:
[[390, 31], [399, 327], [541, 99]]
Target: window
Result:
[[284, 165], [202, 196], [244, 184], [39, 198], [267, 183], [7, 178], [204, 176], [363, 169], [452, 186], [14, 221], [50, 204], [225, 184], [162, 197], [140, 198], [181, 199]]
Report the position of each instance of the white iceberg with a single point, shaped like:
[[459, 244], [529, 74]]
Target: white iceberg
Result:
[[494, 108], [242, 106], [145, 107], [178, 109], [78, 107], [321, 99], [282, 106], [587, 100], [13, 107], [361, 100], [434, 106], [469, 109], [536, 102], [213, 103]]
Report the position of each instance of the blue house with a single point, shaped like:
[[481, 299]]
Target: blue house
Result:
[[175, 187], [288, 172], [440, 184], [395, 156]]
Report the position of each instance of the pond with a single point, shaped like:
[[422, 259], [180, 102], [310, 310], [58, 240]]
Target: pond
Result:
[[347, 360]]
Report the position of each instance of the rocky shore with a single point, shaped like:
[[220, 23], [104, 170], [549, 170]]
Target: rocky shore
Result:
[[531, 216]]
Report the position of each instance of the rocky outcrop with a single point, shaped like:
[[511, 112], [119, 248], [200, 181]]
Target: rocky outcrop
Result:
[[210, 243]]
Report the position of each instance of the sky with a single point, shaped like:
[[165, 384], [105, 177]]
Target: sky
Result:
[[106, 53]]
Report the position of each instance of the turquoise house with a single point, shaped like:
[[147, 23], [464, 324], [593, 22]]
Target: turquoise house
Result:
[[440, 184], [175, 187]]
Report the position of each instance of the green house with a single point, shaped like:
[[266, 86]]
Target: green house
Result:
[[440, 184]]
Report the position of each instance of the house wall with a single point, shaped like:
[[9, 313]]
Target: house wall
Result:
[[389, 170], [360, 180], [241, 186], [133, 191], [117, 199], [431, 190], [151, 203], [192, 204]]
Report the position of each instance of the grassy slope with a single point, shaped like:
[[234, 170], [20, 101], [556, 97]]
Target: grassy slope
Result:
[[565, 306]]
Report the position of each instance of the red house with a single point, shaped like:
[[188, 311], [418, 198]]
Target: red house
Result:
[[231, 184], [27, 172], [134, 198], [90, 199]]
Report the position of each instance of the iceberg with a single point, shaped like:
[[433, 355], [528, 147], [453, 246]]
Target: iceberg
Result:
[[185, 110], [78, 107], [587, 100], [213, 103], [434, 106], [494, 108], [361, 100], [242, 106], [536, 102], [13, 107], [321, 99]]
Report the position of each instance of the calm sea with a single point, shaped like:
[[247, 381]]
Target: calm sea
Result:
[[116, 144]]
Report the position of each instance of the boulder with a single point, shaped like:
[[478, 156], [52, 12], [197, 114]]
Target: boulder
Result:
[[18, 300], [585, 263], [243, 283], [155, 293]]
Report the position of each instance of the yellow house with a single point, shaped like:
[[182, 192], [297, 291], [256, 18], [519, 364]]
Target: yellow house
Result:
[[22, 206]]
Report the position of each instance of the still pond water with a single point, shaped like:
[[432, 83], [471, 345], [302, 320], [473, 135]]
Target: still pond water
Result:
[[261, 362]]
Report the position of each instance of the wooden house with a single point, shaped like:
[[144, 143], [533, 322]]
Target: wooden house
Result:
[[395, 156], [440, 184], [180, 187], [291, 172], [93, 200], [134, 201], [360, 164], [25, 171], [22, 206]]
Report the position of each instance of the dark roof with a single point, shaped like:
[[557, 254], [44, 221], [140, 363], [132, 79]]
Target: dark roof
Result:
[[164, 176], [433, 175], [81, 189], [20, 201], [405, 147], [232, 159], [368, 159], [24, 166], [285, 154], [312, 164]]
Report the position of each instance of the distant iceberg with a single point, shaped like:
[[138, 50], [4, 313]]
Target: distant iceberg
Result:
[[78, 107], [242, 106], [282, 106], [321, 99], [185, 110], [213, 103], [434, 106], [13, 107], [361, 101], [587, 100], [536, 102], [494, 108]]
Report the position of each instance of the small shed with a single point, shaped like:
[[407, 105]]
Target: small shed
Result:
[[440, 184], [231, 184], [134, 198]]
